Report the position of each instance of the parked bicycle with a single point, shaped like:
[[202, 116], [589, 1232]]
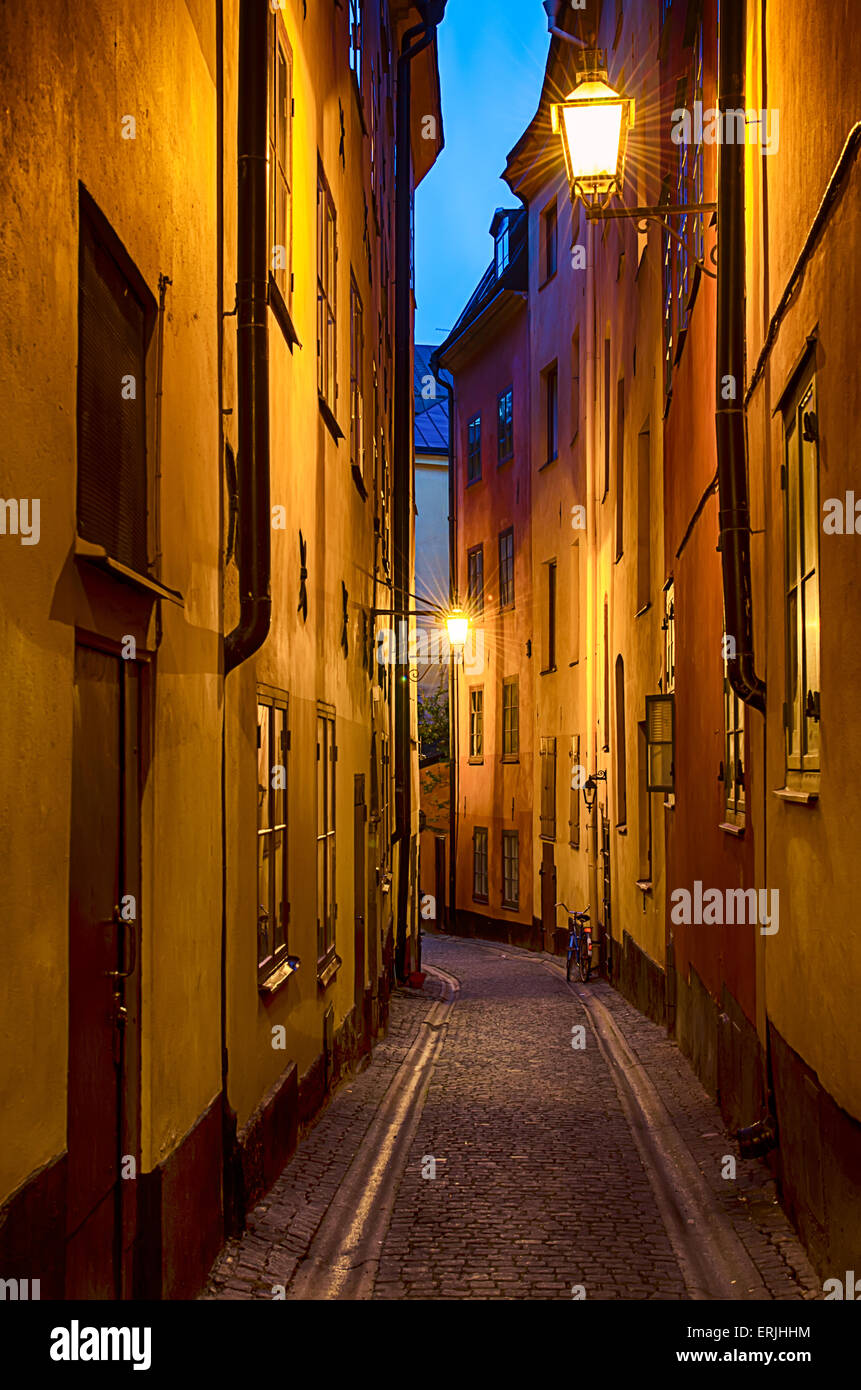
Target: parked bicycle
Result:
[[579, 942]]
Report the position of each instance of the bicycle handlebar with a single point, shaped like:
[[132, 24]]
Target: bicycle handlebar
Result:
[[572, 913]]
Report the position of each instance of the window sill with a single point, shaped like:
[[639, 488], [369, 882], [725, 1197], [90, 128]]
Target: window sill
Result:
[[645, 608], [360, 482], [623, 828], [327, 969], [644, 885], [476, 762], [730, 829], [98, 556], [510, 758], [476, 899], [510, 907], [796, 795], [547, 463], [278, 305], [500, 463], [670, 802], [550, 839], [329, 419], [277, 978], [472, 481], [548, 280]]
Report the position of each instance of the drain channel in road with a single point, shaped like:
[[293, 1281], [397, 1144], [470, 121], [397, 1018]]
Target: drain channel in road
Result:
[[343, 1258], [712, 1259]]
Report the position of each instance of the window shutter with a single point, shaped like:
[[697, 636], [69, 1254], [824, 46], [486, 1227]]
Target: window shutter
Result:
[[660, 739]]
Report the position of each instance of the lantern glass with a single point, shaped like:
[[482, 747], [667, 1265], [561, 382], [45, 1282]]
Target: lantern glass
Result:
[[593, 122], [457, 627]]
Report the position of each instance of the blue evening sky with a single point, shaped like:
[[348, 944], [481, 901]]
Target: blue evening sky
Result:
[[492, 55]]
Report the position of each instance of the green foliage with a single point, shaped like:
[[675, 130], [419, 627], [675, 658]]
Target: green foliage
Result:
[[433, 725]]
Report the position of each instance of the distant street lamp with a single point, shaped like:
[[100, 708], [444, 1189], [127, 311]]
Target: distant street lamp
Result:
[[590, 788], [457, 627]]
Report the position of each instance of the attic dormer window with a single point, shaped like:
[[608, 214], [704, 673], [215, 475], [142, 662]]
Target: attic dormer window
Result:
[[502, 249]]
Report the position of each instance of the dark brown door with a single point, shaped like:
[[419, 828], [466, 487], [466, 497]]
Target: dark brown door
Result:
[[547, 873], [360, 814], [103, 902], [441, 922]]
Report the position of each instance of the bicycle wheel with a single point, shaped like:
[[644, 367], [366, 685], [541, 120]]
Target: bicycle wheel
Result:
[[585, 962], [568, 962]]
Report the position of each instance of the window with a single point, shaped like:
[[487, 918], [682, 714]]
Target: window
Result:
[[476, 724], [621, 765], [356, 20], [548, 242], [357, 354], [551, 412], [326, 269], [385, 803], [660, 743], [644, 810], [606, 418], [644, 518], [273, 908], [547, 756], [502, 249], [801, 478], [505, 425], [475, 579], [116, 313], [280, 159], [479, 864], [506, 568], [733, 767], [667, 275], [473, 449], [327, 910], [575, 385], [510, 868], [550, 619], [575, 793], [669, 626], [575, 602], [510, 717], [620, 466]]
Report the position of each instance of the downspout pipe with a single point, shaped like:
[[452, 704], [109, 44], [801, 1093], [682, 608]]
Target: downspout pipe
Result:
[[414, 42], [734, 515], [454, 601], [252, 348]]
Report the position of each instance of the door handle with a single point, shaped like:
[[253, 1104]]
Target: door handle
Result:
[[131, 954]]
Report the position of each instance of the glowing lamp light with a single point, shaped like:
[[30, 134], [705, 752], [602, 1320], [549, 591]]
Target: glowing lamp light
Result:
[[457, 627], [593, 122]]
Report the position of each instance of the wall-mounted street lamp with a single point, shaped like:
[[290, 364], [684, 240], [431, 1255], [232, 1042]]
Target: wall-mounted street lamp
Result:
[[593, 122], [457, 627], [590, 788]]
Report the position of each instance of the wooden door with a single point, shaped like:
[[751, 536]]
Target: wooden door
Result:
[[103, 902], [547, 873], [360, 814]]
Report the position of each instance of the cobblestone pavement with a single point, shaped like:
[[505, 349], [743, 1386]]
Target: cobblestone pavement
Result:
[[539, 1185]]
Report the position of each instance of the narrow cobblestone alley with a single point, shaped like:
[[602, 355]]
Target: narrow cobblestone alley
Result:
[[540, 1190]]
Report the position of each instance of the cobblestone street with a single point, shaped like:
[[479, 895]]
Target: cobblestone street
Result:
[[540, 1185]]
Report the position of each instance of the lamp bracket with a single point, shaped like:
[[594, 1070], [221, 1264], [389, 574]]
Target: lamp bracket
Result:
[[601, 212]]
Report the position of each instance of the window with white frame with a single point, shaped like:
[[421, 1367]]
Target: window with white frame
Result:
[[280, 158], [510, 717], [356, 12], [479, 864], [476, 723], [510, 868], [357, 355], [327, 754], [272, 904], [801, 480], [669, 626], [733, 765], [326, 297]]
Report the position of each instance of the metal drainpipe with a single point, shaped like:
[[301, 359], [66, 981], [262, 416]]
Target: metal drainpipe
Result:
[[414, 41], [734, 541], [253, 540], [454, 600]]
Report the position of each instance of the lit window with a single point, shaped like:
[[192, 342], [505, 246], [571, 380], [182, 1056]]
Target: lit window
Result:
[[802, 583]]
